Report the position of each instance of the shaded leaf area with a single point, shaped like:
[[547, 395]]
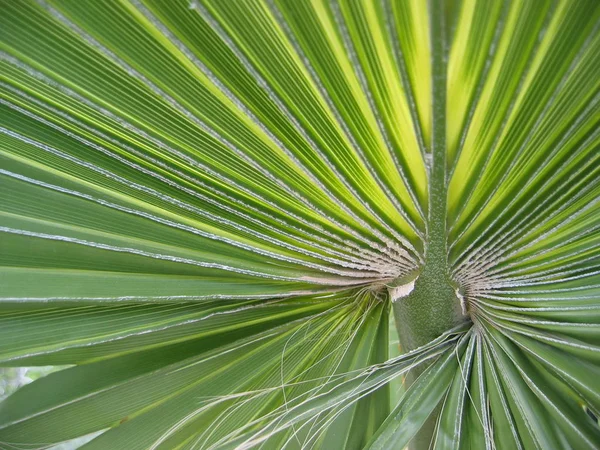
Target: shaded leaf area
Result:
[[12, 378], [235, 383], [202, 205]]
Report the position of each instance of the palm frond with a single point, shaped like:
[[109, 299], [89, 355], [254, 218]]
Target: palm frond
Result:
[[212, 211]]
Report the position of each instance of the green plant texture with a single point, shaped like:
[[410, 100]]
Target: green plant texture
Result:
[[301, 224]]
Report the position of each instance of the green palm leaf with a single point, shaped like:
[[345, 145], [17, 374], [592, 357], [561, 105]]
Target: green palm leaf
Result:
[[214, 213]]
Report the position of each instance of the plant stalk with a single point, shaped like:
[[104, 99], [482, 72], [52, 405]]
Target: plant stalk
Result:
[[432, 307]]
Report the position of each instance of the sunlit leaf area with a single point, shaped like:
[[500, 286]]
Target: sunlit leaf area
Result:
[[299, 224]]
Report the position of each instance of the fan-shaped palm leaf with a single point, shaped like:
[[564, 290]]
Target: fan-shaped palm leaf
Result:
[[210, 211]]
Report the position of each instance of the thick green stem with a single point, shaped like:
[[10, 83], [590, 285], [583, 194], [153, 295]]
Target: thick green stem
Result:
[[432, 307]]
